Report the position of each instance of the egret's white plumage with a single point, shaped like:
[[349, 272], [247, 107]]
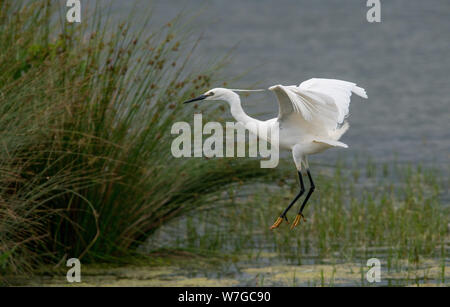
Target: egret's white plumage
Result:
[[311, 119], [311, 116]]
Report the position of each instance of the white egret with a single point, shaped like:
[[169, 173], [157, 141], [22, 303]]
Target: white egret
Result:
[[311, 119]]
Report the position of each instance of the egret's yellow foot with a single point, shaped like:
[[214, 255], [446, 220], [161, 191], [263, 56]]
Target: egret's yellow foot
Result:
[[297, 220], [277, 223]]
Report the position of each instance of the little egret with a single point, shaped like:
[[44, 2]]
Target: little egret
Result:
[[311, 119]]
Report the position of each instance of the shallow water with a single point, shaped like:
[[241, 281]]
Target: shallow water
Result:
[[312, 256], [232, 245], [403, 62]]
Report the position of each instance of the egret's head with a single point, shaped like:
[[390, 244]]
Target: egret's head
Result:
[[214, 94]]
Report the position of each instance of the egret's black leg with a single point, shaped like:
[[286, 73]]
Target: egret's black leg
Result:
[[302, 190], [311, 190], [283, 215]]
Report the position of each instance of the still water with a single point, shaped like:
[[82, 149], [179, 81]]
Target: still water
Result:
[[403, 62]]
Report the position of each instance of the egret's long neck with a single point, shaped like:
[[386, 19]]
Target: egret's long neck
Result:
[[237, 111]]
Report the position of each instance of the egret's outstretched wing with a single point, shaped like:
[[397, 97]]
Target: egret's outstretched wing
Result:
[[333, 91], [321, 103]]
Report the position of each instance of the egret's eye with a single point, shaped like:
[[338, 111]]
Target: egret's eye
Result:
[[211, 94]]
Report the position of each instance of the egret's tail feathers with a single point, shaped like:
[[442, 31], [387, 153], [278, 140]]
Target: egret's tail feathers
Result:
[[340, 132], [359, 91], [332, 143], [333, 140]]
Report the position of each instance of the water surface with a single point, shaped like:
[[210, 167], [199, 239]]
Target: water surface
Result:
[[403, 62]]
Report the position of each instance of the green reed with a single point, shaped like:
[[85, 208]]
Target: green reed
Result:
[[85, 117], [400, 218]]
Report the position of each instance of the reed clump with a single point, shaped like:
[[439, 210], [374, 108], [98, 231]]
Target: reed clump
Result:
[[85, 116]]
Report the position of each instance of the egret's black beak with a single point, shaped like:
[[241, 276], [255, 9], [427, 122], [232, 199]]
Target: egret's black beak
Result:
[[201, 97]]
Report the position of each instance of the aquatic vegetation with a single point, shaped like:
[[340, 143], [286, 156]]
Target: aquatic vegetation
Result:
[[401, 219], [85, 117]]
